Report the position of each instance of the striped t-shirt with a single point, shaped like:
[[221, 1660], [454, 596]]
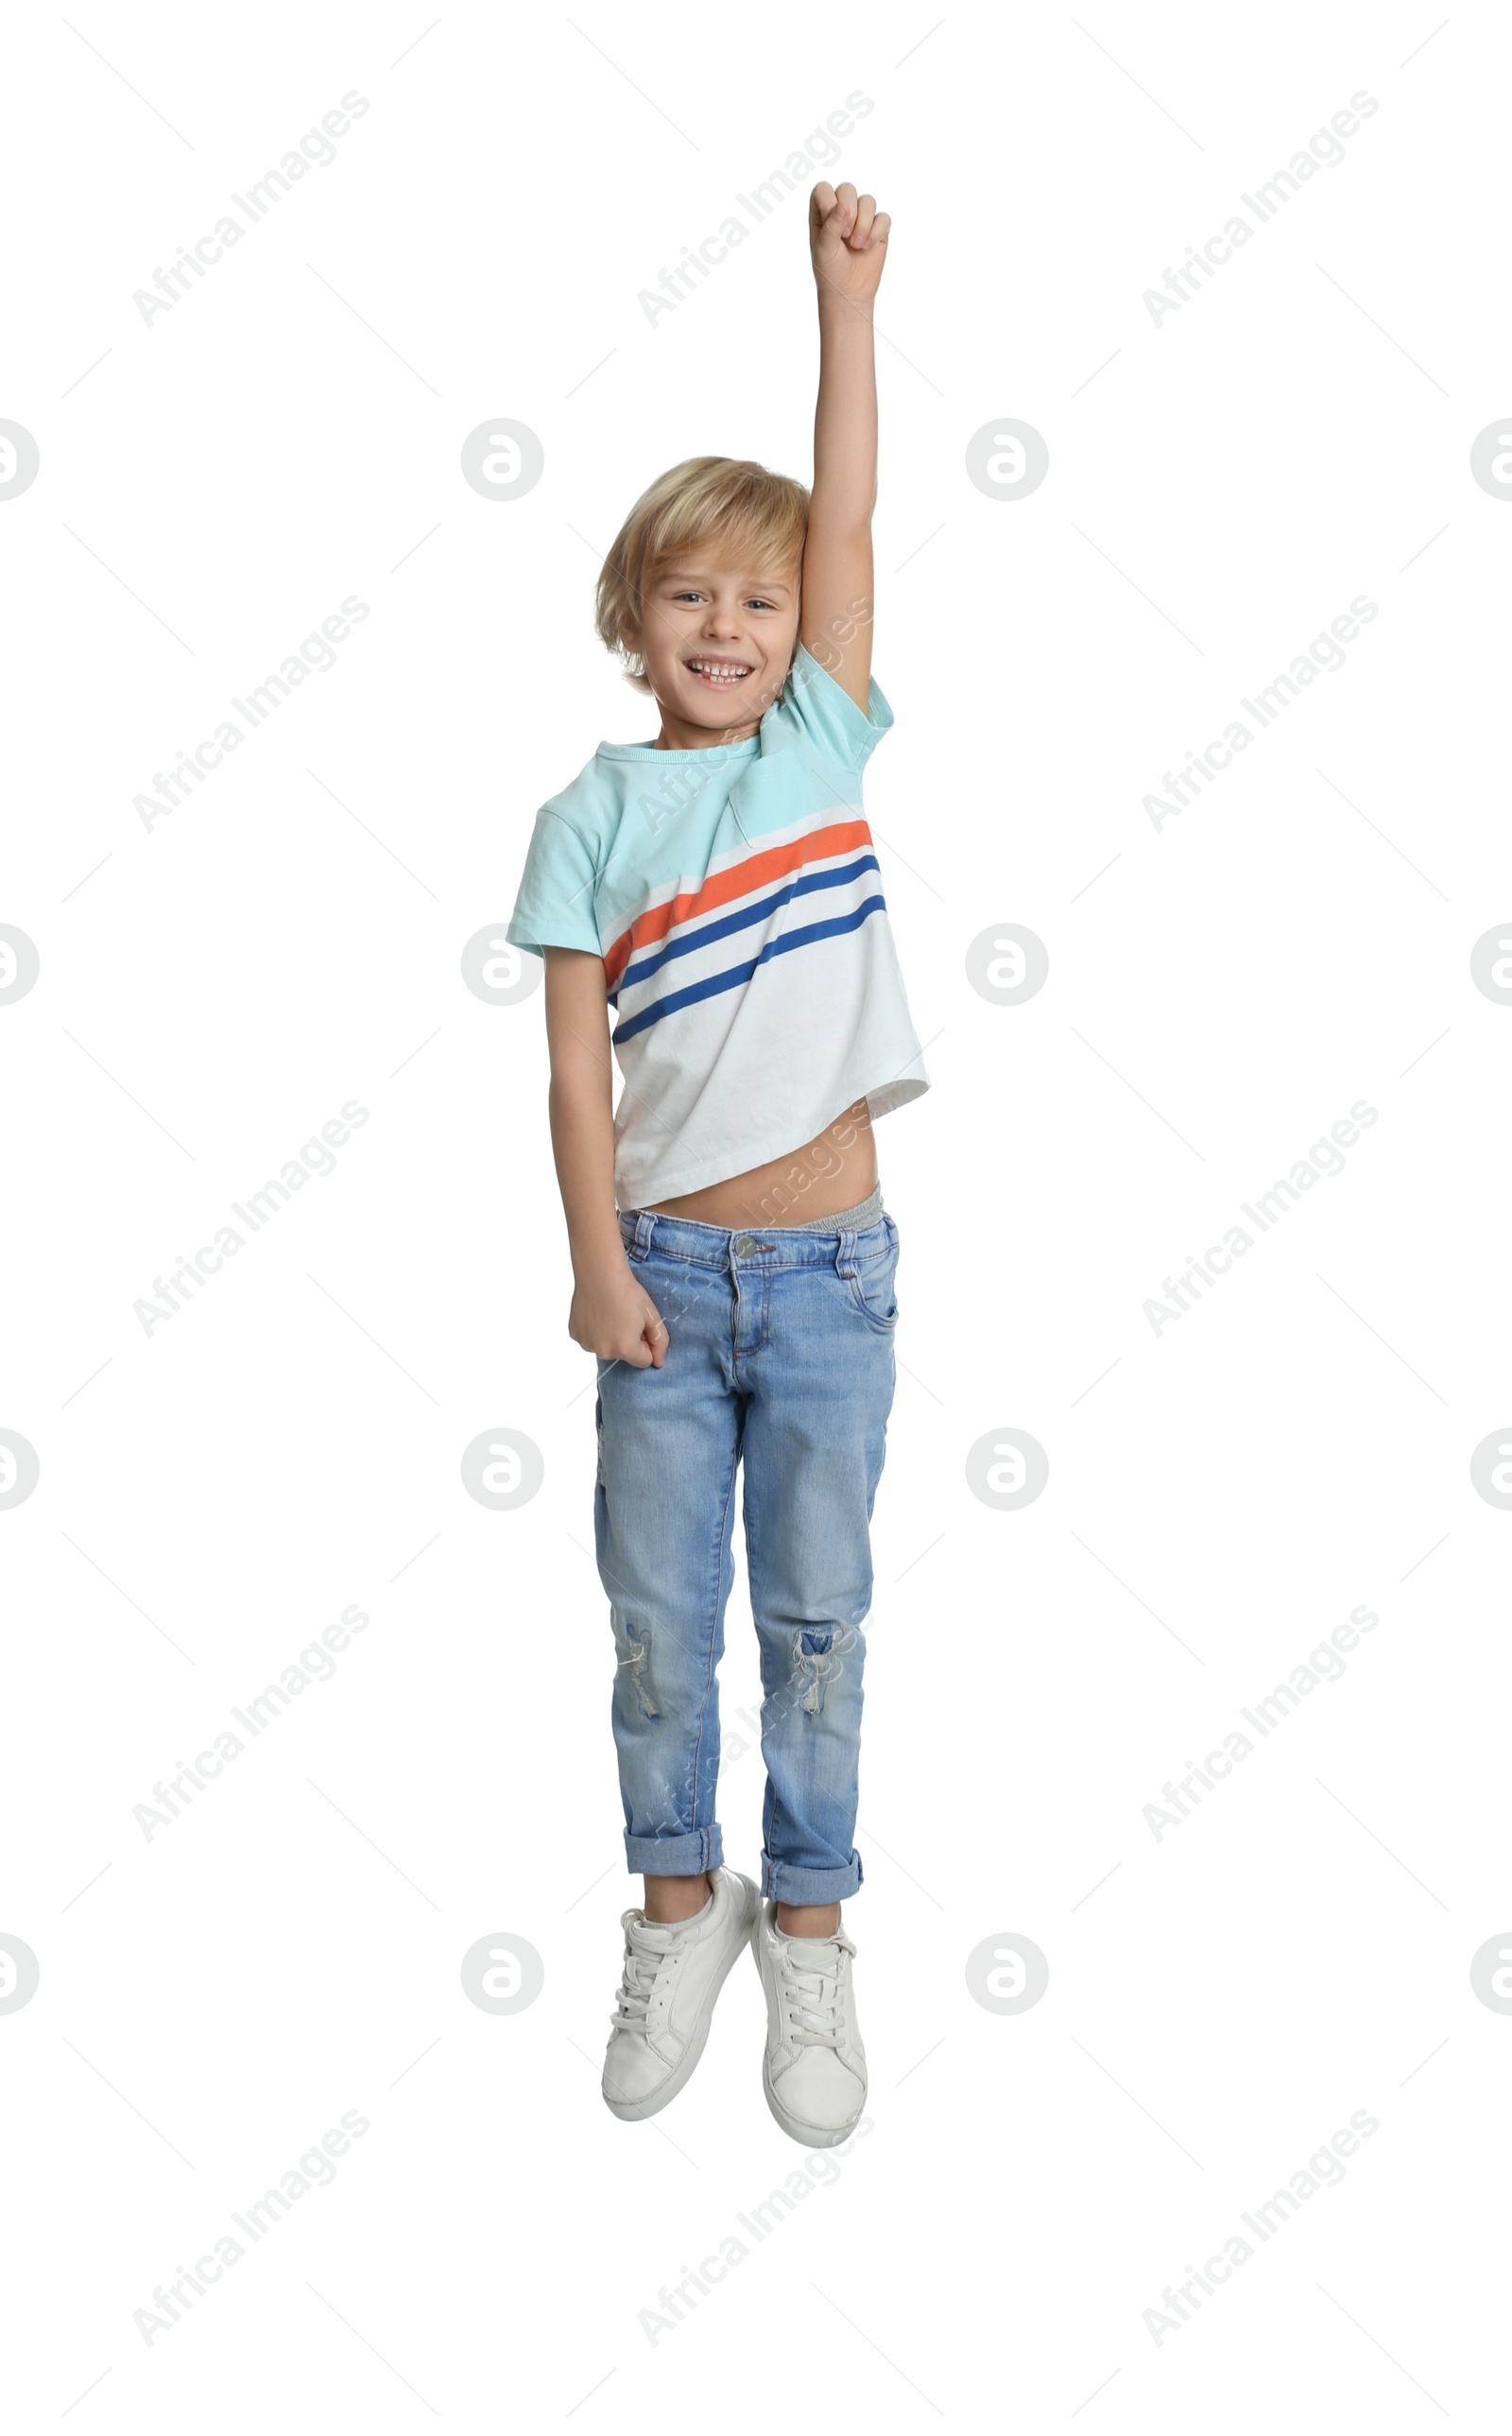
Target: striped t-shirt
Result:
[[735, 897]]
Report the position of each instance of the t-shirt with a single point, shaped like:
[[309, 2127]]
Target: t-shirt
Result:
[[734, 895]]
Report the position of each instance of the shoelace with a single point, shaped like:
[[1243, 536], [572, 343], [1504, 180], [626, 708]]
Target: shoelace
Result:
[[814, 2016], [646, 1950]]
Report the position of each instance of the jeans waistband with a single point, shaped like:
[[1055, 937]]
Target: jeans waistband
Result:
[[861, 1232]]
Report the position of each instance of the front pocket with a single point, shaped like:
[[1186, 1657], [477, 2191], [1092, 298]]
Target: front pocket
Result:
[[874, 1286]]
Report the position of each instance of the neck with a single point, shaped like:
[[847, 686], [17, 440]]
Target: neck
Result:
[[680, 735]]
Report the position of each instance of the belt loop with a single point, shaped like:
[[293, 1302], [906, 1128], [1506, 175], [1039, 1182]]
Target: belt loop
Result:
[[846, 1252], [645, 1223]]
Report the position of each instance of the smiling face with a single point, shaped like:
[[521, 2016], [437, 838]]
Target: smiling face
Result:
[[717, 641]]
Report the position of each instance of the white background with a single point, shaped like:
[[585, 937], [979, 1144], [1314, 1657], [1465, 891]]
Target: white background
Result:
[[213, 989]]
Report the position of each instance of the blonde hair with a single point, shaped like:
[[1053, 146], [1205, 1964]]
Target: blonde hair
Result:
[[729, 500]]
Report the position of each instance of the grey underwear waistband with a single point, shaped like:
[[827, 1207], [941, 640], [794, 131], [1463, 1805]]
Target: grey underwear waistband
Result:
[[855, 1220]]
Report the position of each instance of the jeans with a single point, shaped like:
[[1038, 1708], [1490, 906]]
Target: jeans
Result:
[[780, 1351]]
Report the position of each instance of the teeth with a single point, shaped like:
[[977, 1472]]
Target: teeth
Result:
[[718, 672]]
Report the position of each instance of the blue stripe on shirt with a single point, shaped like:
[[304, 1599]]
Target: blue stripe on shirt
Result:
[[735, 974], [726, 923]]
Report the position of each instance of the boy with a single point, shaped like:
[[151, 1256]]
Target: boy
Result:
[[718, 890]]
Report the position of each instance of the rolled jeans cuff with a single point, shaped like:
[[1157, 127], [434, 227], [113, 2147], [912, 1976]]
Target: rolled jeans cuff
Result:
[[785, 1883], [674, 1857]]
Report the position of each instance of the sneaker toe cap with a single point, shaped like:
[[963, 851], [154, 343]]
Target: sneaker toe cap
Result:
[[821, 2092], [633, 2070]]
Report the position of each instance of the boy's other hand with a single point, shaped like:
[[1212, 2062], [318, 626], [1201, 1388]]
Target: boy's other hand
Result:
[[847, 237], [616, 1318]]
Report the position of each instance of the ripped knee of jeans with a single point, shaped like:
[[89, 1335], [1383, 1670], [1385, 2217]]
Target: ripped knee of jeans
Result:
[[813, 1658], [634, 1662]]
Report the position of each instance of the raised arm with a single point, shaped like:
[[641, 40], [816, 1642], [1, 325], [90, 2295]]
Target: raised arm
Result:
[[847, 237]]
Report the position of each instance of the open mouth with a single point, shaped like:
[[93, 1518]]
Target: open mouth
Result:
[[719, 672]]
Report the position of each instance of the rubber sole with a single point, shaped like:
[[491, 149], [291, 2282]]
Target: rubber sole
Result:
[[639, 2110]]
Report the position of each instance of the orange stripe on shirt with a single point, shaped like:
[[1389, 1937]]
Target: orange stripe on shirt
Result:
[[723, 887]]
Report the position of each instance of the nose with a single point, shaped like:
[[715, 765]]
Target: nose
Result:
[[722, 622]]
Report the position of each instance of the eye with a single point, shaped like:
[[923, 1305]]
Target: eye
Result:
[[759, 603]]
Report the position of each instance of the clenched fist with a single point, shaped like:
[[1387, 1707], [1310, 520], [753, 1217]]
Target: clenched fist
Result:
[[847, 237], [614, 1317]]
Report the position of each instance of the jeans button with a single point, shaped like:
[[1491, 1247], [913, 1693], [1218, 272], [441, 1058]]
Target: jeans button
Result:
[[743, 1246]]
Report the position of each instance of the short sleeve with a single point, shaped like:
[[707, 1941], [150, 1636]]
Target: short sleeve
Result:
[[822, 712], [554, 907]]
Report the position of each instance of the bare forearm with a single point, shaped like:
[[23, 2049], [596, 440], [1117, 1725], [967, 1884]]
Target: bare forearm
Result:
[[845, 487], [612, 1313], [582, 1145]]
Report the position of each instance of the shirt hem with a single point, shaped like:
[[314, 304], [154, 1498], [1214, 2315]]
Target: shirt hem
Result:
[[881, 1099], [537, 946]]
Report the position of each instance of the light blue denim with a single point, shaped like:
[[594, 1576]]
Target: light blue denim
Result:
[[779, 1355]]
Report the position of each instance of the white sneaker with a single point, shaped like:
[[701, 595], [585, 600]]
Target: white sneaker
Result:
[[673, 1972], [814, 2070]]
